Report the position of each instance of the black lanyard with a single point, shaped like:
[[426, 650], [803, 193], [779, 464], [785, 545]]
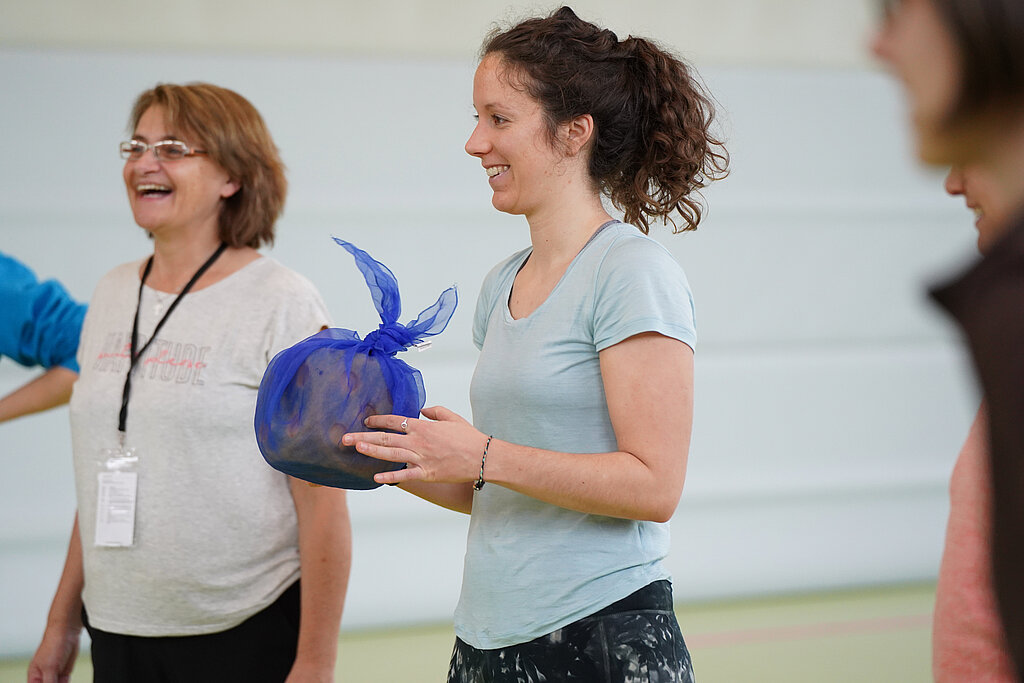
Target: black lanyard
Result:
[[122, 421]]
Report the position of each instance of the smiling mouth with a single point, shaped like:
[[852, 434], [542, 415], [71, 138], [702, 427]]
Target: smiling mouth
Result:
[[150, 190], [493, 171]]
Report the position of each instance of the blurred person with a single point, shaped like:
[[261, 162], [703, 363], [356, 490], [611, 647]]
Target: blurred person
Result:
[[191, 559], [961, 63], [583, 391], [39, 325], [968, 643]]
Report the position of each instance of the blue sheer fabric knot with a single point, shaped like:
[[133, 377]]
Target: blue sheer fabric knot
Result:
[[388, 339], [325, 386]]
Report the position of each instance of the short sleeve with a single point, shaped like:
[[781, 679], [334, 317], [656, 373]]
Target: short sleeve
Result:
[[39, 322], [301, 313], [641, 288]]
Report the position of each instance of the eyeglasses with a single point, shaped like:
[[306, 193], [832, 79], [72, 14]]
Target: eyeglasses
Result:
[[164, 150]]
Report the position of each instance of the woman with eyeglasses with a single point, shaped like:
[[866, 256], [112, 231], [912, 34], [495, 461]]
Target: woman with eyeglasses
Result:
[[961, 63], [187, 551], [582, 394]]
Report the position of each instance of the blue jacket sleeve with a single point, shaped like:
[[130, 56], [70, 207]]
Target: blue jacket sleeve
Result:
[[39, 322]]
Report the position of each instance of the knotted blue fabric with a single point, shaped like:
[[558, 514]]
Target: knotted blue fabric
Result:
[[322, 388]]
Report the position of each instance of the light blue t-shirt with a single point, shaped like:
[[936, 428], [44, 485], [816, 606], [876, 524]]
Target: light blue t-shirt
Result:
[[532, 567]]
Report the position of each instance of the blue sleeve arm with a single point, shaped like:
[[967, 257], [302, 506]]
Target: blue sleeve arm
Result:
[[39, 321]]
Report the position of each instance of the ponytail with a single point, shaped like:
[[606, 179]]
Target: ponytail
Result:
[[652, 150]]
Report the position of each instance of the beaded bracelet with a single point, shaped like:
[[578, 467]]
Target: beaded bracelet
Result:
[[483, 460]]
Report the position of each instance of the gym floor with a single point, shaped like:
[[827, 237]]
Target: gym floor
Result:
[[879, 634]]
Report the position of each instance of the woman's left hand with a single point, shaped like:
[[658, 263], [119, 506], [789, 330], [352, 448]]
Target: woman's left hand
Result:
[[444, 448]]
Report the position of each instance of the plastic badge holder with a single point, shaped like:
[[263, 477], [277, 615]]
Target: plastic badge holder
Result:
[[325, 386]]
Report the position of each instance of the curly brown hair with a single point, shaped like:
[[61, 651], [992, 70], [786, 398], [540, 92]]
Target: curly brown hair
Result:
[[653, 149], [235, 136]]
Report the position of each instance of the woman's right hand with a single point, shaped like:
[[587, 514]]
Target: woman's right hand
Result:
[[56, 655], [443, 448]]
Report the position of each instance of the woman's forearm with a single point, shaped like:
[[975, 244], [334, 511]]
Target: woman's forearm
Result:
[[48, 390]]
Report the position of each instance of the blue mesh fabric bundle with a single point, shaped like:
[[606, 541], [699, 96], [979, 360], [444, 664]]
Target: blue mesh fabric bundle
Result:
[[325, 386]]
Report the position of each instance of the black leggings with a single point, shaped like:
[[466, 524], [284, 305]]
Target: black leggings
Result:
[[259, 650], [636, 639]]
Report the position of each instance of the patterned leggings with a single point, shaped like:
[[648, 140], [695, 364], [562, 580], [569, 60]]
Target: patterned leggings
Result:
[[635, 640]]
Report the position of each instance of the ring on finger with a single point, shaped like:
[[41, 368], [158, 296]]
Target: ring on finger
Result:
[[405, 425]]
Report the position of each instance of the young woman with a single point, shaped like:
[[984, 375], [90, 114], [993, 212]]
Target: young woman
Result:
[[187, 551], [962, 65], [582, 395]]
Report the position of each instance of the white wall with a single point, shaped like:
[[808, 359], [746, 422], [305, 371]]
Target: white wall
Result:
[[830, 398], [734, 32]]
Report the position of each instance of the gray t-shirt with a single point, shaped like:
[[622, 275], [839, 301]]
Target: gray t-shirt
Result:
[[215, 536], [532, 567]]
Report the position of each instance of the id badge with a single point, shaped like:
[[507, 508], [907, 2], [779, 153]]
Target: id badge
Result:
[[116, 498]]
